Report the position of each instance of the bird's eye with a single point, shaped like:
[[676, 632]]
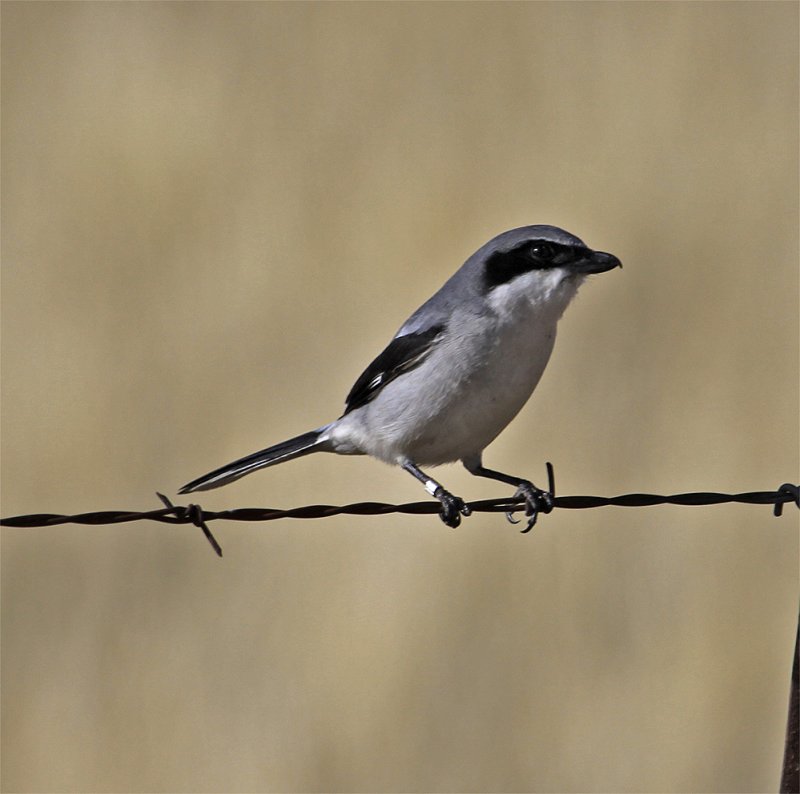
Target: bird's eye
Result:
[[542, 251]]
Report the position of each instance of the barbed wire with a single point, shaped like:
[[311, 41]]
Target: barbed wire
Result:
[[194, 514]]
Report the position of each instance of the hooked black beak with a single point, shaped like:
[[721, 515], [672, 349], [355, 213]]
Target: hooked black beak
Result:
[[596, 262]]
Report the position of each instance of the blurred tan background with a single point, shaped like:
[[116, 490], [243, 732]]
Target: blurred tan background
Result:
[[214, 215]]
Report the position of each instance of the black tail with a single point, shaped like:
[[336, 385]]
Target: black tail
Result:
[[313, 441]]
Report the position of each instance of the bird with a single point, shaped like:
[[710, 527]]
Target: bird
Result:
[[458, 370]]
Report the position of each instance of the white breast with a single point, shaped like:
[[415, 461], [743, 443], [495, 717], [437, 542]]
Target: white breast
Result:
[[470, 387]]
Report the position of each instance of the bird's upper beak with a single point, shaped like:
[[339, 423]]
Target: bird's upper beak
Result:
[[596, 262]]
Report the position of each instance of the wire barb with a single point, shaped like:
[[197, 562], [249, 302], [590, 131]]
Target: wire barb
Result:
[[192, 514], [794, 493], [196, 515], [536, 501]]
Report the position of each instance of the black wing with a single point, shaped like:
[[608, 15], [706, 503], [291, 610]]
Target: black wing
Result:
[[402, 355]]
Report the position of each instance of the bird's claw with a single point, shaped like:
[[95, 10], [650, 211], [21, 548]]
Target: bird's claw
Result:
[[536, 501], [453, 507]]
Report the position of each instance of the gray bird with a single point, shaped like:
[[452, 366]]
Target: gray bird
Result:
[[458, 370]]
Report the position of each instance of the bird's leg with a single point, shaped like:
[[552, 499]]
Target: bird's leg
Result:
[[453, 507], [536, 500]]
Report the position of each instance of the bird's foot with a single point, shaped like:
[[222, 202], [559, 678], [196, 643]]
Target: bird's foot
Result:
[[536, 501], [453, 507]]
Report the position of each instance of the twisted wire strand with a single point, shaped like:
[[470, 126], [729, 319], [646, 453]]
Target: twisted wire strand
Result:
[[178, 514], [194, 514]]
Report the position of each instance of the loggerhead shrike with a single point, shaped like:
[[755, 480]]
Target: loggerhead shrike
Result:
[[458, 370]]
